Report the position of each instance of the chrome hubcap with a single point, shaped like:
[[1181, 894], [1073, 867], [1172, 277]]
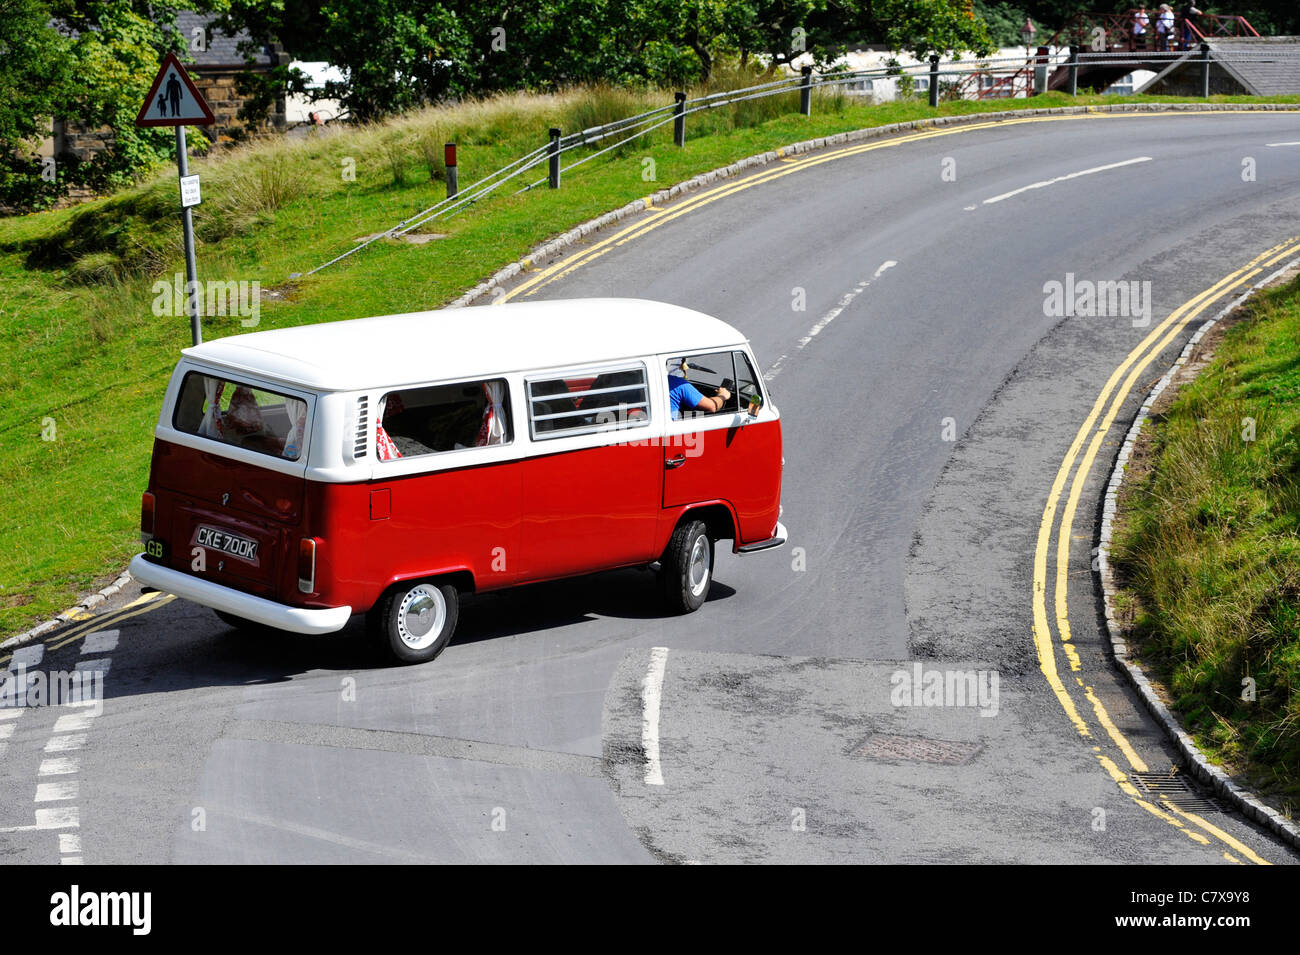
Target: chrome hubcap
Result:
[[421, 616], [699, 567]]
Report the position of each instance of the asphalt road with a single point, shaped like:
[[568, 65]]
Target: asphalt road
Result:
[[925, 424]]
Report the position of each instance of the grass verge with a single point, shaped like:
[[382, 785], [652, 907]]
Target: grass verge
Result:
[[84, 357], [1207, 554]]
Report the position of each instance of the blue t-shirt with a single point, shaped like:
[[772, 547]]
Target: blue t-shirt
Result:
[[682, 392]]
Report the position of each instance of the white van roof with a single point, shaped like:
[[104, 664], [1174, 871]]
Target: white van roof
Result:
[[467, 342]]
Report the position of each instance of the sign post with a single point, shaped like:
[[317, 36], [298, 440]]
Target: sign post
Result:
[[174, 100]]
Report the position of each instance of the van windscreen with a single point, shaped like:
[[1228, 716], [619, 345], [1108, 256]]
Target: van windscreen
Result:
[[242, 415]]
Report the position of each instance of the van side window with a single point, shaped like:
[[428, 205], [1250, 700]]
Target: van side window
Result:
[[415, 421], [239, 414], [691, 377], [747, 380], [584, 403]]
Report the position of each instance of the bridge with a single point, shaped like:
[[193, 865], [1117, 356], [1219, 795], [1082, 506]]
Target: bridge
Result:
[[1110, 38]]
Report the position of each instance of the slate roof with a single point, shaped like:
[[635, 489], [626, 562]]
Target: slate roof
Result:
[[1262, 77], [222, 48], [1274, 76]]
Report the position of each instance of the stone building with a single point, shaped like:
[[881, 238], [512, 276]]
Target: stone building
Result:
[[215, 64]]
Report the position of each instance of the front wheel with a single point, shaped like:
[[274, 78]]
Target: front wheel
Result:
[[415, 621], [687, 567]]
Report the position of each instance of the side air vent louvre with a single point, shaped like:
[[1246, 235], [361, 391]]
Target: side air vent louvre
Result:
[[363, 428]]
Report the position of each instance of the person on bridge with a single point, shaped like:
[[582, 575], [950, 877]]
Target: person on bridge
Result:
[[1189, 14], [1140, 23], [1164, 27]]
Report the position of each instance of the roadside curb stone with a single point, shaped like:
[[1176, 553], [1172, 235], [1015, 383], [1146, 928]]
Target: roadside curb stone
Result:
[[1223, 786]]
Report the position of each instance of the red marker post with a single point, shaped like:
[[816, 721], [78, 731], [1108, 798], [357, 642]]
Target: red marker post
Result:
[[449, 160]]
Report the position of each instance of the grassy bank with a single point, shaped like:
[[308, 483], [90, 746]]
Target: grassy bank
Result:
[[1208, 553], [84, 359]]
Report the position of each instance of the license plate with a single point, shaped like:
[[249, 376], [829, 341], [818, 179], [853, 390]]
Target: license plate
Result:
[[155, 549], [227, 543]]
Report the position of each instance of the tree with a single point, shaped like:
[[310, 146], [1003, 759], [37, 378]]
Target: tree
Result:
[[35, 69], [88, 62], [395, 54]]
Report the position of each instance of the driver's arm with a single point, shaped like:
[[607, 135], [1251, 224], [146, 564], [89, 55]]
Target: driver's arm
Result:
[[716, 403]]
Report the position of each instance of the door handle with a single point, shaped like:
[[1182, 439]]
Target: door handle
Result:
[[675, 462]]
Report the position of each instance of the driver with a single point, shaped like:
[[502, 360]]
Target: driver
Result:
[[682, 392]]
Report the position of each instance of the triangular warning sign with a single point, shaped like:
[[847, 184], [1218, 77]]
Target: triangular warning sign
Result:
[[173, 99]]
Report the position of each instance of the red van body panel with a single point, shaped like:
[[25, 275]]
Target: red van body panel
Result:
[[195, 490], [596, 507], [744, 461], [444, 522]]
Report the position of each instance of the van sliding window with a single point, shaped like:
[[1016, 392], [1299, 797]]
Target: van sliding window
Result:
[[588, 402], [240, 414], [415, 421]]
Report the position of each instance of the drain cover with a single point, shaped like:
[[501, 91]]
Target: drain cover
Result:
[[1172, 787], [917, 749]]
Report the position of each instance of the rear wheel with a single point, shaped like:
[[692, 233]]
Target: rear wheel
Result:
[[687, 566], [415, 621]]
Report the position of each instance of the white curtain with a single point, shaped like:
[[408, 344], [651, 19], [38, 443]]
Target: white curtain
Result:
[[493, 430], [210, 426], [298, 417]]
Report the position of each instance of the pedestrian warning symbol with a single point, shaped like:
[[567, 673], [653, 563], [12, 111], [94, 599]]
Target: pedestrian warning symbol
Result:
[[173, 100]]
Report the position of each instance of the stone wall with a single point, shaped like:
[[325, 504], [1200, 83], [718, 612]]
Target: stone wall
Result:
[[217, 86]]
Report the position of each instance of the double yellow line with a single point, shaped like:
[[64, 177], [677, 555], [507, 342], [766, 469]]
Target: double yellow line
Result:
[[1093, 432], [1134, 364], [145, 603]]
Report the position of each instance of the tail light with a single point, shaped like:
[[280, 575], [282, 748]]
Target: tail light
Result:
[[307, 565], [146, 515]]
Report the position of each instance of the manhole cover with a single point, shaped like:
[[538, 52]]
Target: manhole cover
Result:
[[1172, 787], [917, 749]]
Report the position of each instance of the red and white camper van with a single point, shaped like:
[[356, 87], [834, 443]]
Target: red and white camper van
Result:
[[388, 465]]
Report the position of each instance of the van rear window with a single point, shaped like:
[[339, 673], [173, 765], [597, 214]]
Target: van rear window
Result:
[[586, 403], [242, 415]]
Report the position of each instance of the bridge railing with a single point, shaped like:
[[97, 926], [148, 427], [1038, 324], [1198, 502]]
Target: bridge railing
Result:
[[1209, 25], [985, 78], [1110, 32]]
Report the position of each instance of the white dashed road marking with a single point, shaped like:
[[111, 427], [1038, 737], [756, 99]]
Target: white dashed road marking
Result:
[[103, 641], [57, 792], [65, 744], [829, 317], [1074, 175], [27, 657], [651, 693]]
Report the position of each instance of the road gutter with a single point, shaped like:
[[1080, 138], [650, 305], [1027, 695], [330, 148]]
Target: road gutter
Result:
[[1223, 786]]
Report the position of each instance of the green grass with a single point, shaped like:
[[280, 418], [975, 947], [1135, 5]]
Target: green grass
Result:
[[1208, 552], [79, 343]]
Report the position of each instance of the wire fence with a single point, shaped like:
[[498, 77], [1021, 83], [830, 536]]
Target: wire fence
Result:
[[1008, 77]]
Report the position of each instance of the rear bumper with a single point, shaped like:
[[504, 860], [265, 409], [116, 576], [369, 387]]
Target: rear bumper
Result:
[[776, 540], [258, 609]]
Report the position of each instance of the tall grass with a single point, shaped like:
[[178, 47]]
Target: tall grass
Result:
[[1208, 544]]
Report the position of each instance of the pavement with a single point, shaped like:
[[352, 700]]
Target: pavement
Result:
[[930, 404]]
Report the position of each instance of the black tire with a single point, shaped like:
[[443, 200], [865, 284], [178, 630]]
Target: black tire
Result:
[[687, 567], [415, 620]]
